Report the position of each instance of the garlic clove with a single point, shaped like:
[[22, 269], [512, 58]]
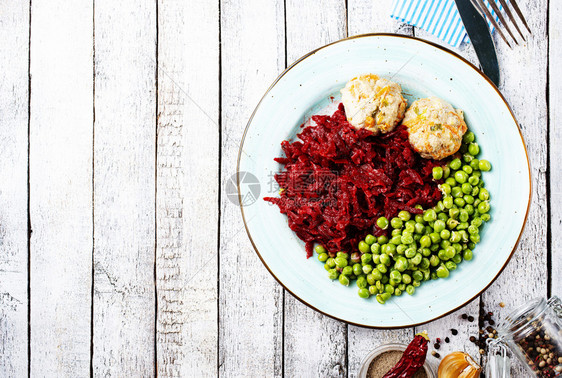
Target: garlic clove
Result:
[[458, 365]]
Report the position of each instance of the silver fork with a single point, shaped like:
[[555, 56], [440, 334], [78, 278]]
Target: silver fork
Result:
[[485, 12]]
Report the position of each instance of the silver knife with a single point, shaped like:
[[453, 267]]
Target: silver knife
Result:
[[479, 34]]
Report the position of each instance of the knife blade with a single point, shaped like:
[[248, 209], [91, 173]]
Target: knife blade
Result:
[[479, 34]]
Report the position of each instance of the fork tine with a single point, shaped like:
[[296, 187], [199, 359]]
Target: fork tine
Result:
[[518, 11], [492, 20], [510, 15], [502, 20]]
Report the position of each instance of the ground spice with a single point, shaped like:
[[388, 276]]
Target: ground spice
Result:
[[382, 363]]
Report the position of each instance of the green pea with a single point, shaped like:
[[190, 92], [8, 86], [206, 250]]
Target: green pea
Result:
[[373, 290], [370, 239], [366, 258], [468, 137], [341, 254], [474, 164], [397, 292], [363, 292], [390, 249], [396, 276], [343, 280], [439, 226], [410, 226], [468, 198], [467, 158], [382, 268], [367, 268], [417, 238], [475, 190], [333, 274], [469, 209], [437, 173], [382, 222], [463, 215], [396, 222], [476, 222], [464, 236], [455, 164], [445, 234], [484, 207], [452, 224], [426, 252], [376, 248], [397, 239], [323, 257], [320, 249], [456, 192], [435, 238], [466, 188], [434, 260], [442, 216], [404, 215], [406, 278], [407, 238], [357, 269], [473, 180], [410, 289], [445, 244], [361, 282], [424, 264], [475, 238], [442, 254], [473, 149], [439, 207], [450, 251], [446, 171], [419, 219], [389, 289], [419, 228], [429, 215], [445, 188], [448, 202], [461, 177], [442, 272], [341, 262], [364, 247], [486, 217], [467, 169], [401, 264], [457, 259], [483, 195], [451, 182], [383, 239], [455, 237], [380, 299], [450, 265], [331, 262], [410, 252], [386, 296], [416, 283], [347, 271], [417, 276], [484, 165], [477, 202], [459, 202], [467, 254], [425, 241], [396, 231], [327, 267]]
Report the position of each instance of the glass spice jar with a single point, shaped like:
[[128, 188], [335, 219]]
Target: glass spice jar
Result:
[[533, 333]]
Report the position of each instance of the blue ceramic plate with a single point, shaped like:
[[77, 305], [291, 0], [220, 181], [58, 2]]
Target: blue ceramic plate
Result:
[[422, 69]]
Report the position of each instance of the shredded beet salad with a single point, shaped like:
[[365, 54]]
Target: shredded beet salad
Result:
[[337, 180]]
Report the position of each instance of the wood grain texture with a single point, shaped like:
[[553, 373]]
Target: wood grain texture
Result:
[[555, 144], [14, 50], [60, 183], [315, 345], [523, 83], [187, 195], [372, 17], [124, 188], [250, 301]]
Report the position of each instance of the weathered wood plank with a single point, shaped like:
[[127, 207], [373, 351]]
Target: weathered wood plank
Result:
[[14, 54], [315, 345], [60, 183], [187, 190], [372, 17], [555, 145], [250, 301], [124, 188], [523, 83]]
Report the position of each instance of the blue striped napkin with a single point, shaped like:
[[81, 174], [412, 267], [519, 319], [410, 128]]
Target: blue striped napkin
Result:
[[439, 17]]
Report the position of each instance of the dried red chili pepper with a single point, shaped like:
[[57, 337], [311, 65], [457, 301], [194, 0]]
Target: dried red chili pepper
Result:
[[412, 359]]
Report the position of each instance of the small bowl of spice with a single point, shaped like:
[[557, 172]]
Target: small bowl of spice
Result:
[[385, 358]]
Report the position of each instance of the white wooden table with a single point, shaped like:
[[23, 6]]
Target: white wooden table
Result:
[[120, 254]]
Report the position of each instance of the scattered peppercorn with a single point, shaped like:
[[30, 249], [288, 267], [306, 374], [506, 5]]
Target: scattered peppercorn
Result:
[[471, 318], [447, 339], [454, 332], [436, 345], [464, 316], [473, 339]]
